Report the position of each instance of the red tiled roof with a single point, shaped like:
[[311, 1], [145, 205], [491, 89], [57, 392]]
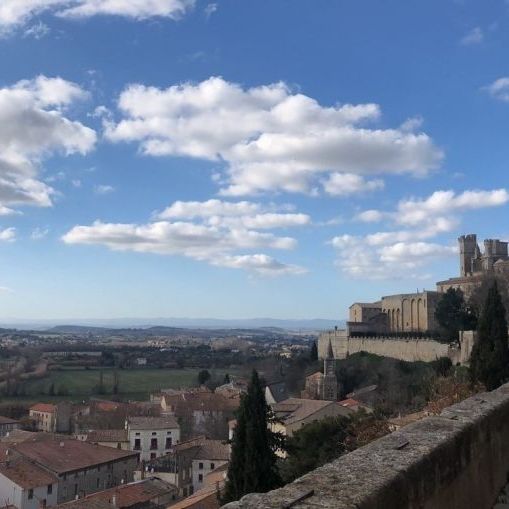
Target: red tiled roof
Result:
[[68, 455], [128, 495], [26, 474], [43, 407], [349, 402]]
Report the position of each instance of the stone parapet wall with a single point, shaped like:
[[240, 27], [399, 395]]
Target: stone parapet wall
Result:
[[405, 349], [458, 460]]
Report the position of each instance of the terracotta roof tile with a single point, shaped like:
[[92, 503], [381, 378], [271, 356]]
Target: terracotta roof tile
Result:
[[26, 474], [44, 407], [68, 455]]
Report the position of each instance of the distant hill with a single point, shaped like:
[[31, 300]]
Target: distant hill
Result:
[[172, 325]]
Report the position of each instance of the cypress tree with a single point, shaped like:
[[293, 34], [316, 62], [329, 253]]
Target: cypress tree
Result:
[[252, 465], [313, 354], [489, 362]]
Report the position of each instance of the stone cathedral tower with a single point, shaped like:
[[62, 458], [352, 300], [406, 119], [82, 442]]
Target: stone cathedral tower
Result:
[[330, 382]]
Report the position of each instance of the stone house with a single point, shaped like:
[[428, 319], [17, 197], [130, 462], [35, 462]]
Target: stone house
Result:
[[80, 468], [25, 485], [52, 418], [190, 462], [7, 425], [152, 437]]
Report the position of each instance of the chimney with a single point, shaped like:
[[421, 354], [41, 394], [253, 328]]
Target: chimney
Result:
[[114, 500], [62, 444]]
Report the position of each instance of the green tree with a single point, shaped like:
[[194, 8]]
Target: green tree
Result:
[[314, 445], [51, 390], [453, 314], [203, 377], [489, 362], [253, 460], [227, 379], [313, 353]]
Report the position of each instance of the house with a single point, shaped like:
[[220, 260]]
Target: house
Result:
[[206, 497], [145, 494], [275, 392], [26, 485], [294, 413], [152, 436], [7, 425], [44, 416], [190, 462], [52, 418], [210, 455], [116, 438], [79, 468]]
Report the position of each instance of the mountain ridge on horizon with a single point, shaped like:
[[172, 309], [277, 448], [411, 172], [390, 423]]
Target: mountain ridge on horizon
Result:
[[212, 323]]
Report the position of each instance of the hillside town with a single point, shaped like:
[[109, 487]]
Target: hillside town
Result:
[[173, 449]]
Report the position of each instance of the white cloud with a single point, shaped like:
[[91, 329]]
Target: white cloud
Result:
[[260, 264], [270, 138], [370, 216], [499, 89], [39, 233], [358, 259], [15, 13], [401, 252], [34, 125], [37, 30], [345, 184], [192, 209], [210, 9], [474, 36], [414, 212], [213, 233], [8, 235], [103, 189]]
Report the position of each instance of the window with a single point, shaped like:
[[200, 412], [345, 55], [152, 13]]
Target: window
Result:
[[50, 489], [212, 466], [137, 434], [119, 445], [75, 490], [137, 444], [154, 433], [168, 432], [168, 442], [153, 443], [200, 466], [98, 482], [200, 477], [30, 494], [152, 455]]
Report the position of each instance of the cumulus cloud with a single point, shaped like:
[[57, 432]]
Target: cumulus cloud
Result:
[[8, 235], [15, 13], [344, 184], [473, 37], [103, 189], [213, 233], [270, 138], [499, 89], [405, 247], [358, 258], [34, 125]]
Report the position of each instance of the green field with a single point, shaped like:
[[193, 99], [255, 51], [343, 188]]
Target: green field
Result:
[[133, 383]]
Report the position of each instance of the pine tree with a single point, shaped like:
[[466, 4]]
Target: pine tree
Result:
[[489, 362], [253, 460]]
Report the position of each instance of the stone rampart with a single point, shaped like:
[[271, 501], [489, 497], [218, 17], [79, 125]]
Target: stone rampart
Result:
[[458, 460], [405, 349]]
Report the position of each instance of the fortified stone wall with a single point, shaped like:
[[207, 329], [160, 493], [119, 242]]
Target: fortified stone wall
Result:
[[458, 460], [408, 349]]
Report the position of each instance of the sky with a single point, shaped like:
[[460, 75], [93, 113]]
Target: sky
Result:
[[240, 158]]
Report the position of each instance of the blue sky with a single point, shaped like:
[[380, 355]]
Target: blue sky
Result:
[[244, 158]]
